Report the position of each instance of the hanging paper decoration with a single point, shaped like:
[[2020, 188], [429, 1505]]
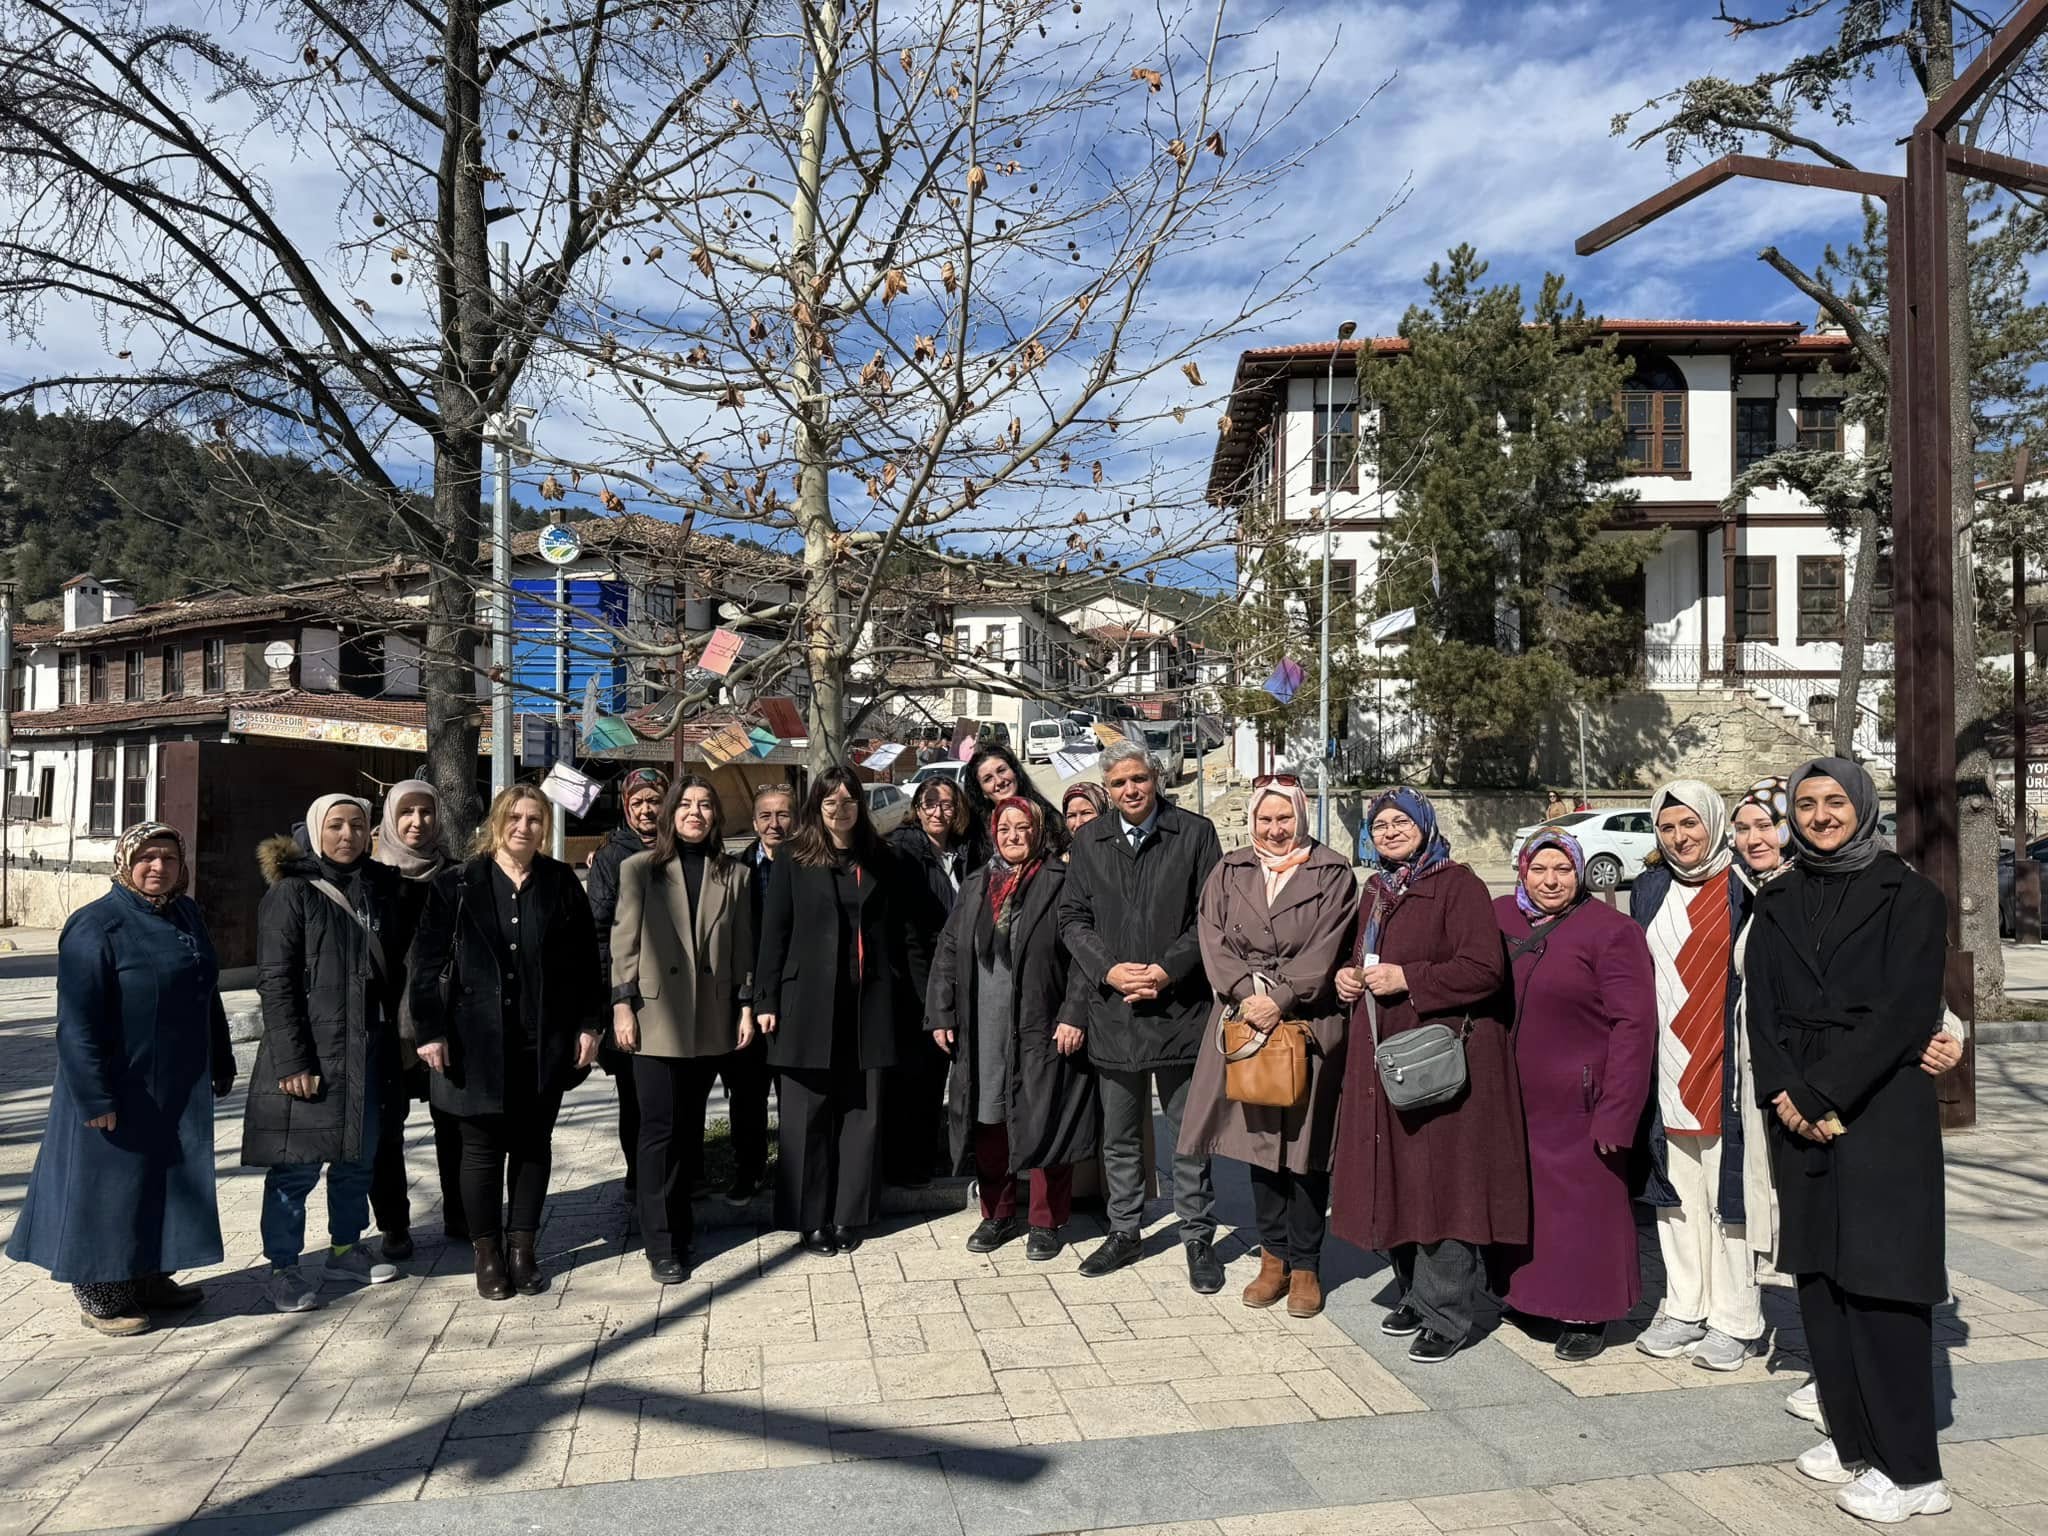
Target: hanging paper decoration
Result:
[[1286, 680]]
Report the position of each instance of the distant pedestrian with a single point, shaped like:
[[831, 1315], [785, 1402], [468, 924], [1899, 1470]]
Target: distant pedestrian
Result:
[[1559, 806], [932, 845], [1434, 1185], [509, 1007], [1585, 1041], [833, 965], [1846, 972], [682, 988], [1274, 920], [121, 1195], [641, 794], [1001, 1006], [1691, 906], [1129, 914], [328, 1062], [408, 839]]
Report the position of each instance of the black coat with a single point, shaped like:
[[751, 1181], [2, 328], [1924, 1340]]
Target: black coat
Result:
[[1119, 905], [330, 987], [603, 890], [1843, 1032], [928, 898], [797, 977], [458, 984], [1053, 1116]]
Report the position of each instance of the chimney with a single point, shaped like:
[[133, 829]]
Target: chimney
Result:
[[84, 602], [115, 601]]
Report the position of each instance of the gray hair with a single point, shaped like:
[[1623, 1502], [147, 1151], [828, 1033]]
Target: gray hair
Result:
[[1128, 751]]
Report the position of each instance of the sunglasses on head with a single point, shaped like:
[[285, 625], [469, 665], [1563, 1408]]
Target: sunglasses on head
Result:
[[1277, 780]]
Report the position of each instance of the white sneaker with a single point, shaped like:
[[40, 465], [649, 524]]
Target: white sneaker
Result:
[[1720, 1351], [1805, 1404], [356, 1263], [289, 1292], [1667, 1338], [1823, 1463], [1875, 1497]]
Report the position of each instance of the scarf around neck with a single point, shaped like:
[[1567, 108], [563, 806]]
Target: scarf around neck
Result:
[[1863, 845], [1008, 882], [387, 847], [1279, 868], [1391, 882]]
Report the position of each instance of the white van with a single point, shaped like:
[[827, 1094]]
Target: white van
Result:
[[1042, 738]]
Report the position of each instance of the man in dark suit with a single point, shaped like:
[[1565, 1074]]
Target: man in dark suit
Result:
[[746, 1076]]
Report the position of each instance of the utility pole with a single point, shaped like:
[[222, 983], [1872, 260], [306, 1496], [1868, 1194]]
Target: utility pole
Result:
[[7, 591], [560, 820], [1344, 334], [2026, 874]]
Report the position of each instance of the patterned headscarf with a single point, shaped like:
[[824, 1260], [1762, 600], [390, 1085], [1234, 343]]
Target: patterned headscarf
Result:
[[1391, 881], [1773, 797], [642, 778], [1704, 803], [1278, 866], [1093, 793], [1864, 845], [130, 847], [1007, 882], [1566, 844]]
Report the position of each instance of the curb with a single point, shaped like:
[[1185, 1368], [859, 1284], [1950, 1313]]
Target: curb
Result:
[[2011, 1031]]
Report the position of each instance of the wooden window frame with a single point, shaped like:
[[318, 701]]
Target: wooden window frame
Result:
[[213, 673], [46, 793], [1770, 407], [1348, 479], [171, 661], [96, 678], [1769, 618], [1882, 620], [100, 818], [1837, 434], [1810, 562], [1658, 432], [134, 674], [134, 785]]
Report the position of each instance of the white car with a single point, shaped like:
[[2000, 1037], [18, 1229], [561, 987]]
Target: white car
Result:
[[887, 806], [1616, 843], [1042, 738]]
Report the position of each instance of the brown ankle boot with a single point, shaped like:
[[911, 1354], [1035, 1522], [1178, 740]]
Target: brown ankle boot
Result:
[[1271, 1283], [491, 1283], [1304, 1293], [521, 1266]]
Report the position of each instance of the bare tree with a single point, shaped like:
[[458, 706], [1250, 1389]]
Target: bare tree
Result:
[[226, 207]]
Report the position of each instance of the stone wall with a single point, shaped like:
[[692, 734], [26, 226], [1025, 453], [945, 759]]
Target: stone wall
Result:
[[43, 896]]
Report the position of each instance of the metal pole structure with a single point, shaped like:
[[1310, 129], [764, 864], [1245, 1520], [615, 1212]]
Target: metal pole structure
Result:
[[1344, 334], [2026, 874], [560, 819], [501, 591], [1584, 797], [6, 745]]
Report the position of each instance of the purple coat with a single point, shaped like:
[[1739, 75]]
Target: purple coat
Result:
[[1453, 1170], [1585, 1040]]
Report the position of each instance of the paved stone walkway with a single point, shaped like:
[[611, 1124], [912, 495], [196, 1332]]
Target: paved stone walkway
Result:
[[912, 1386]]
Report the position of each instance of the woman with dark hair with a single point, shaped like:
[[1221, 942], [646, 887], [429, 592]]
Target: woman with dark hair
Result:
[[682, 948], [508, 1007], [1022, 1096], [932, 846], [122, 1191], [1844, 967], [835, 958], [993, 776]]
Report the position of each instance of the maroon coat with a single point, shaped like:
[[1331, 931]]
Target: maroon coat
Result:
[[1453, 1170], [1585, 1038]]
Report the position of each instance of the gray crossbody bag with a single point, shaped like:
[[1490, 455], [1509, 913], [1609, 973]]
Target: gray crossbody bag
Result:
[[1419, 1067]]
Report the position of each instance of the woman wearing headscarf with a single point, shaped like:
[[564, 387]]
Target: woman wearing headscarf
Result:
[[408, 839], [1429, 1186], [1273, 923], [122, 1192], [682, 948], [328, 974], [1021, 1094], [1691, 905], [932, 847], [1082, 803], [1585, 1037], [993, 776], [1846, 969], [509, 1006]]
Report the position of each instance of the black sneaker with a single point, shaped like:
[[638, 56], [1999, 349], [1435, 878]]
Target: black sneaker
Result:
[[1433, 1348], [742, 1191], [1044, 1243], [1403, 1322], [1205, 1270], [993, 1233], [1581, 1344], [1118, 1250]]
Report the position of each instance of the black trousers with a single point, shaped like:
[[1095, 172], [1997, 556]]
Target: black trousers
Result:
[[1873, 1362], [1441, 1282], [507, 1157], [825, 1171], [671, 1091], [914, 1104], [745, 1074], [1292, 1210], [620, 1064], [448, 1157], [388, 1182]]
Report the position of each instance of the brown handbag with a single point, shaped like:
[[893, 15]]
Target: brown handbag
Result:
[[1268, 1067]]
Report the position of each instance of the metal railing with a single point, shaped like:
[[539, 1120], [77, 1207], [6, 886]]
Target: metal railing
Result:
[[1767, 674]]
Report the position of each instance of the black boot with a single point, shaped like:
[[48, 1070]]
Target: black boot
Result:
[[521, 1266], [491, 1282]]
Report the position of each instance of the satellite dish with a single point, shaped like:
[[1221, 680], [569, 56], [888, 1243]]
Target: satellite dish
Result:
[[278, 655]]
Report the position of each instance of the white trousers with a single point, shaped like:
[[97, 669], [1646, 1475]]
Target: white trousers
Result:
[[1707, 1272]]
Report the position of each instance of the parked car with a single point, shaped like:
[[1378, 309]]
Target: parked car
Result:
[[2007, 906], [1166, 740], [1081, 720], [1042, 738], [888, 805], [953, 772], [1616, 843]]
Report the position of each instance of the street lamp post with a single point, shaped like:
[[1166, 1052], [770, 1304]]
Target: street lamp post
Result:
[[1344, 333], [1922, 455]]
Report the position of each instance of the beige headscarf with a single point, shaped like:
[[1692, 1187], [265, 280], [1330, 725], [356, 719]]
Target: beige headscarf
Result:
[[389, 848], [1703, 801], [1279, 868]]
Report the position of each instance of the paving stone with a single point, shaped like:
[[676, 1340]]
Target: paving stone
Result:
[[921, 1412], [45, 1471], [18, 1517], [310, 1450], [1376, 1386], [1047, 1429], [1242, 1413], [339, 1490], [1631, 1506], [499, 1464], [732, 1370], [1989, 1474], [218, 1436], [1016, 1348], [1325, 1393], [1114, 1412], [1218, 1389], [698, 1459], [1398, 1518], [1475, 1511], [114, 1496], [934, 1375], [1128, 1362], [1618, 1377]]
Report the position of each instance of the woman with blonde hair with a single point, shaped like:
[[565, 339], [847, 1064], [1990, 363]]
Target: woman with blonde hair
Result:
[[508, 1006]]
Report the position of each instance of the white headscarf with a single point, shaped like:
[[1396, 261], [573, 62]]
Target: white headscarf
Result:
[[1704, 803], [1279, 868], [318, 814], [389, 848]]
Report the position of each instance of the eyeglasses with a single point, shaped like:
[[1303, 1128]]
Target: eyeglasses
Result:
[[1277, 781], [1394, 824]]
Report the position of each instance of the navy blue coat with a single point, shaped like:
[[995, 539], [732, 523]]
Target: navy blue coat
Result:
[[140, 1032], [1653, 1180]]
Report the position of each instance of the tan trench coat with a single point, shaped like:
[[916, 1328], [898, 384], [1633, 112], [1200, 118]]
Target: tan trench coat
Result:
[[1297, 946], [687, 975]]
